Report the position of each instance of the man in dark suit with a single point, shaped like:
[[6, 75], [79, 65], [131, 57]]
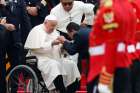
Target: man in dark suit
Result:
[[17, 15], [13, 18], [80, 44], [3, 41], [5, 27]]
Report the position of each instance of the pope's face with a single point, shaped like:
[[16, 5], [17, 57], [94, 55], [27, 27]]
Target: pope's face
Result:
[[50, 25], [67, 4]]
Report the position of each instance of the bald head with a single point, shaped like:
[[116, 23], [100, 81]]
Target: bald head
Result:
[[67, 4]]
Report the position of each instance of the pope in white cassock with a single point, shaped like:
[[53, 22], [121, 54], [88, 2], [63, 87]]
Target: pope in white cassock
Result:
[[43, 43]]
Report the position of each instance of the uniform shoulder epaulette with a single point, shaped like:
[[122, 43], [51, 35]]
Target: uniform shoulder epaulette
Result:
[[108, 3]]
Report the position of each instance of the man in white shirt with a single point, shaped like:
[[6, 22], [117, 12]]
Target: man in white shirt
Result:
[[57, 72], [71, 11]]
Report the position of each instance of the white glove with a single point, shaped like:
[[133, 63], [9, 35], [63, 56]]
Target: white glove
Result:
[[103, 88]]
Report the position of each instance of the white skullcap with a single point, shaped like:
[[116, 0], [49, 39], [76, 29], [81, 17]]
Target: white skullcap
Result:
[[50, 17]]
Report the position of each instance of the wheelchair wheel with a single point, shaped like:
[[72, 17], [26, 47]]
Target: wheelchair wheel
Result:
[[23, 79]]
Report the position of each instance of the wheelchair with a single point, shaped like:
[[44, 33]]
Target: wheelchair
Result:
[[26, 78]]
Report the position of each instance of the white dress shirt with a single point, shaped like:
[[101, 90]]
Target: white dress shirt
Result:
[[74, 15]]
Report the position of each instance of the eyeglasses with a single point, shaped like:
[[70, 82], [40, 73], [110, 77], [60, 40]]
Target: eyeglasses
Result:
[[67, 3]]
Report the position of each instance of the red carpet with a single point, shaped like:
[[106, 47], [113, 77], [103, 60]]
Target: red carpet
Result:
[[83, 83]]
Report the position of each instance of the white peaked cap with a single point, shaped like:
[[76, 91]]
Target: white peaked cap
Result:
[[50, 17]]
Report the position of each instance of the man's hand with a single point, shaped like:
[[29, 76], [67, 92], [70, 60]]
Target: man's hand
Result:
[[3, 21], [55, 42], [62, 39], [32, 10], [10, 27]]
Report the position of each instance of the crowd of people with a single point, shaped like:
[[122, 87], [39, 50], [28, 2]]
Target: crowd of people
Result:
[[103, 33]]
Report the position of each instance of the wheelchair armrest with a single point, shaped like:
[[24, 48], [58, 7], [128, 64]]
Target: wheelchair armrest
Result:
[[31, 60], [31, 57]]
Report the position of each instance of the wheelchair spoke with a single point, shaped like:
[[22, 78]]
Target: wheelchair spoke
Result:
[[24, 78]]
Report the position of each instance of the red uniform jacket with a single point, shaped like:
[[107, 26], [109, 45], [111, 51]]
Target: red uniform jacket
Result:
[[114, 23], [136, 33], [136, 6]]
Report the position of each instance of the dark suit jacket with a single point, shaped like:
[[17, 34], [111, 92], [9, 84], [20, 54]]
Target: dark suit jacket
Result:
[[2, 37], [19, 17], [80, 44], [42, 11]]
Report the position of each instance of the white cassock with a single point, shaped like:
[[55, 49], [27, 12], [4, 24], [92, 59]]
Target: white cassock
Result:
[[50, 62], [74, 15]]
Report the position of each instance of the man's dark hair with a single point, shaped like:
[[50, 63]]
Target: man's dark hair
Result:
[[72, 27]]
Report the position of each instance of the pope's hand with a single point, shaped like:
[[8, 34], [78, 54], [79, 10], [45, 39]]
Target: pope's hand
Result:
[[55, 42], [61, 39]]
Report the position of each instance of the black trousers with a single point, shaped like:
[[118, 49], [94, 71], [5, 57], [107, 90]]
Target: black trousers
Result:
[[15, 49], [122, 81], [92, 86], [58, 82], [15, 52], [3, 34], [73, 87], [2, 73], [135, 73]]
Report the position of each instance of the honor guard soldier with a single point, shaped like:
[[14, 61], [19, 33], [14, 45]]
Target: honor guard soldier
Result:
[[108, 47], [135, 68], [19, 18]]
